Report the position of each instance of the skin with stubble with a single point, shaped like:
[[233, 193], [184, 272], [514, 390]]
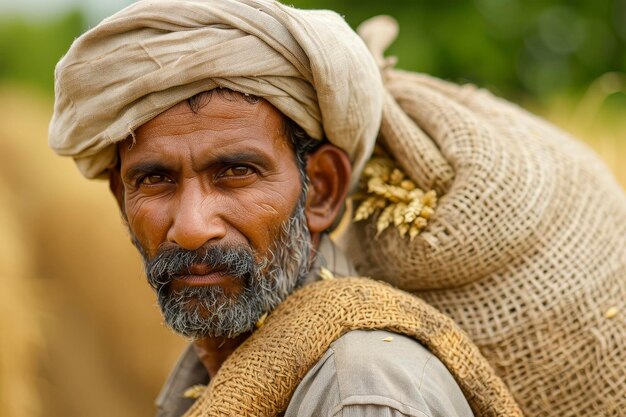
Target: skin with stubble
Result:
[[214, 202]]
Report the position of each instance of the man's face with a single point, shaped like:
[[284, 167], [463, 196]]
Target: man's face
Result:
[[214, 202]]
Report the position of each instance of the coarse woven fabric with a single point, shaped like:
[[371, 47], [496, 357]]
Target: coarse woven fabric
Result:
[[527, 247], [154, 54], [259, 378]]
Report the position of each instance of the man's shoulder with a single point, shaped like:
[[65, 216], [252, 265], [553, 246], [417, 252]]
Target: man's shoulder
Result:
[[361, 351], [364, 372]]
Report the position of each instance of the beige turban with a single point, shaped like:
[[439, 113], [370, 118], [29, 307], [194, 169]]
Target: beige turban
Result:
[[154, 54]]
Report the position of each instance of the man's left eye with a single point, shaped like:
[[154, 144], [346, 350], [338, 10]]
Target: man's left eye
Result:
[[238, 171]]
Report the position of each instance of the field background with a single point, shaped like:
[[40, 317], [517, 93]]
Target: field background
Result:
[[80, 333]]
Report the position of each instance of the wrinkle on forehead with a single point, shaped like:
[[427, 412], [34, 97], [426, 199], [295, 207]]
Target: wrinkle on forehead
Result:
[[227, 115]]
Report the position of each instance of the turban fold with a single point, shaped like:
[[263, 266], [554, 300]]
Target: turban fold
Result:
[[154, 54]]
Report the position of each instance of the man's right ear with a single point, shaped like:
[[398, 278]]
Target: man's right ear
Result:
[[117, 188]]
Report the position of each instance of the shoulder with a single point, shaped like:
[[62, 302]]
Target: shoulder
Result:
[[366, 372]]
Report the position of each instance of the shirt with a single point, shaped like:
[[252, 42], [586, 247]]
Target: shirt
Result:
[[374, 374]]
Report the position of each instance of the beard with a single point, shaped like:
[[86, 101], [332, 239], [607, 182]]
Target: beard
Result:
[[266, 280]]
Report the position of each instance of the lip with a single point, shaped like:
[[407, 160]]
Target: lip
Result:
[[200, 280]]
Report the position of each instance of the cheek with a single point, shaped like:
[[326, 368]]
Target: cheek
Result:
[[261, 213], [149, 222], [253, 216]]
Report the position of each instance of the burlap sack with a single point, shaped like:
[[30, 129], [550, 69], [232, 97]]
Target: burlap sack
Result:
[[527, 247], [259, 378]]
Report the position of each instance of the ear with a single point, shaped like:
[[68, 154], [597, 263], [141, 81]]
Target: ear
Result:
[[329, 172], [117, 189]]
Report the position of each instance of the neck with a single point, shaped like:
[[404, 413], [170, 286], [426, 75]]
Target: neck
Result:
[[213, 351]]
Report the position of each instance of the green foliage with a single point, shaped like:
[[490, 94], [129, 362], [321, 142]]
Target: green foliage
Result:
[[31, 50], [514, 47]]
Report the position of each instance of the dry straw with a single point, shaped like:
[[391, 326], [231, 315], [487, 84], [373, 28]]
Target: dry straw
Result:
[[393, 198]]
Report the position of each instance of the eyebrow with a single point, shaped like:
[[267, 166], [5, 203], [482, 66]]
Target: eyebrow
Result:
[[144, 167], [232, 159], [220, 160]]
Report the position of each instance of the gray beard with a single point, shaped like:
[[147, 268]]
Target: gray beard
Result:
[[208, 311]]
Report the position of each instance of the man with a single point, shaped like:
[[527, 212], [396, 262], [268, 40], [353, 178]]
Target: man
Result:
[[231, 132], [202, 115], [227, 210]]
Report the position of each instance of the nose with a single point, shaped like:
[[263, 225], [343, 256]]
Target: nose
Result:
[[197, 219]]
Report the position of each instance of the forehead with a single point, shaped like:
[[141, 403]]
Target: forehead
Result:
[[220, 121]]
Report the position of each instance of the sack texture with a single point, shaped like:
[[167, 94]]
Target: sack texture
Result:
[[259, 378], [526, 250]]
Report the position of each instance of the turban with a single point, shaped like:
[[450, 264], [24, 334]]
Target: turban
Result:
[[154, 54]]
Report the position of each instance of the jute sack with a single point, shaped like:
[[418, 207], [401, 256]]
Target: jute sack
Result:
[[259, 378], [526, 249]]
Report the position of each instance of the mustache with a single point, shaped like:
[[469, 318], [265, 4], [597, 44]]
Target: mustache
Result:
[[168, 263]]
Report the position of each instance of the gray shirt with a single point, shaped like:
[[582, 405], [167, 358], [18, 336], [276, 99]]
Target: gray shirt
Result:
[[377, 373]]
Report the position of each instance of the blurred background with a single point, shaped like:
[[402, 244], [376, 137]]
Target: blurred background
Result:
[[81, 335]]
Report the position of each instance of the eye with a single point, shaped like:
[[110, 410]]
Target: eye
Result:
[[237, 171], [154, 179]]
